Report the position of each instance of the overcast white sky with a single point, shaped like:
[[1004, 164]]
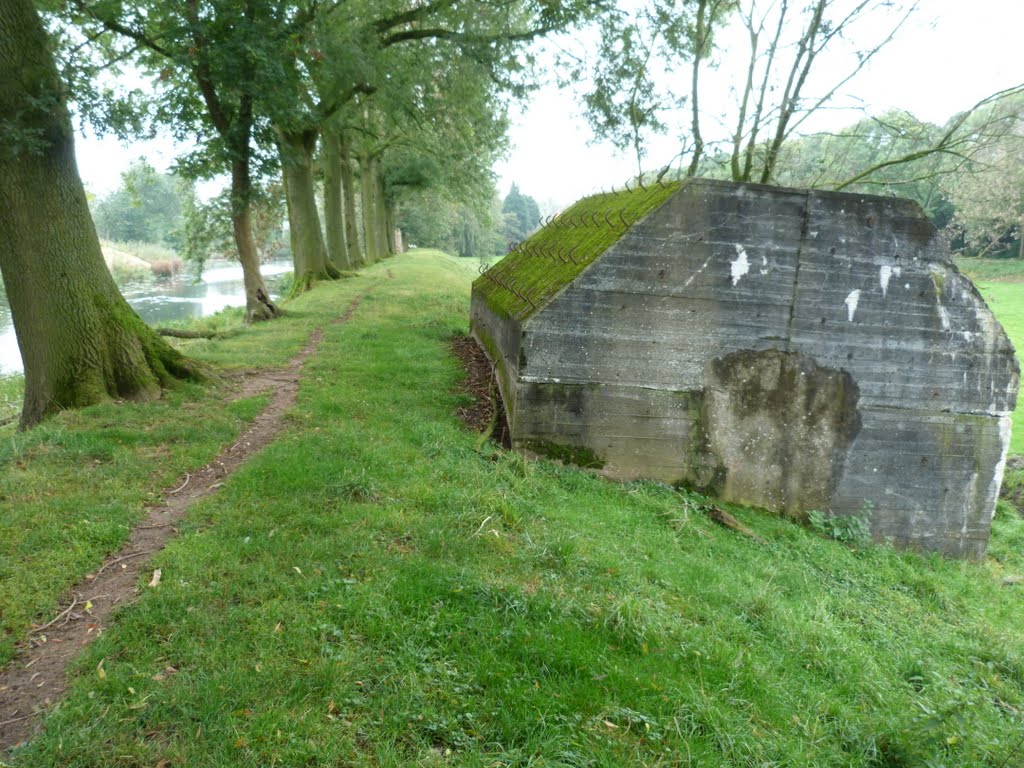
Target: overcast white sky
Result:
[[949, 56], [952, 54]]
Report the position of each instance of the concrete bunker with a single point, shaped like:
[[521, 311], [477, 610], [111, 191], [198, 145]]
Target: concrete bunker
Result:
[[783, 348]]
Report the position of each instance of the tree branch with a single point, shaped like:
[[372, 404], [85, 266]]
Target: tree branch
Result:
[[442, 33], [114, 25]]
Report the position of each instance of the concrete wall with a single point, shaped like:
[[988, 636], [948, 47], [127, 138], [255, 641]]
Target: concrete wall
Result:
[[781, 348]]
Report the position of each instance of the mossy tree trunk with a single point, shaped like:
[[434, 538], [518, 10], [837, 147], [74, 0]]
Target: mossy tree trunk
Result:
[[308, 249], [334, 204], [367, 193], [348, 192], [380, 209], [80, 341], [390, 219]]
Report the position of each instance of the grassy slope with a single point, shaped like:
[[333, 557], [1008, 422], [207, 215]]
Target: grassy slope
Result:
[[70, 489], [371, 591], [1006, 300]]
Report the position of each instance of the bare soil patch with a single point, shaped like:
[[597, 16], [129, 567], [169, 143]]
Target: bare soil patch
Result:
[[36, 678]]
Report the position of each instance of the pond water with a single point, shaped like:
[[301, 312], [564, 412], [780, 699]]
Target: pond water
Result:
[[159, 301]]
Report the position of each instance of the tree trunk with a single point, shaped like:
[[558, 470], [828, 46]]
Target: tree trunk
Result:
[[334, 217], [80, 341], [307, 240], [698, 55], [397, 246], [257, 299], [367, 190], [384, 238], [348, 192]]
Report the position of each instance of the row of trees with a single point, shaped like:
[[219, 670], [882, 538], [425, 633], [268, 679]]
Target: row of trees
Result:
[[408, 94], [428, 217], [411, 94]]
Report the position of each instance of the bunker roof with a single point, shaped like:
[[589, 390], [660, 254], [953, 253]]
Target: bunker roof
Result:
[[536, 270]]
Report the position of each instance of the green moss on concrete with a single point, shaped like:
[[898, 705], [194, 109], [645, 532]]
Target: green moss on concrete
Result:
[[532, 274], [567, 454]]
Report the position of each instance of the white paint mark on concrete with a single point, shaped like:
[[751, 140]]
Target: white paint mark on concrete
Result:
[[686, 283], [883, 278], [851, 304], [968, 336], [906, 286], [886, 272], [997, 476], [741, 265], [943, 316], [764, 264]]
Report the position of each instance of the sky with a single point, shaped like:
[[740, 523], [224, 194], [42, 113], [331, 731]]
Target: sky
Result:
[[950, 55]]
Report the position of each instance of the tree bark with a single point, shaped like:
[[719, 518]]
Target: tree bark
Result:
[[348, 191], [80, 341], [367, 190], [385, 237], [308, 249], [395, 237], [334, 215]]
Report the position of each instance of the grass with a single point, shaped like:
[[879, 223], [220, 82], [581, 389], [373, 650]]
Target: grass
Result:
[[985, 270], [370, 590], [57, 522], [1006, 300]]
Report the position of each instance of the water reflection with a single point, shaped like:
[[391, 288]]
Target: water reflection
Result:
[[159, 301]]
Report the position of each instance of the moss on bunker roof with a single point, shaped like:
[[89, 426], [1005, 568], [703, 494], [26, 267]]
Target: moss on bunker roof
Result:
[[552, 257]]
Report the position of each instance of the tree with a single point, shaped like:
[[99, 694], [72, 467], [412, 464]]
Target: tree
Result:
[[80, 341], [522, 215], [366, 77], [146, 208], [207, 226], [784, 81], [209, 62], [631, 95], [989, 195], [831, 160]]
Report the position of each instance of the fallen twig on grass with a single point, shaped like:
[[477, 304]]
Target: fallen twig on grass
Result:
[[182, 486], [723, 518], [58, 617], [117, 560], [179, 333]]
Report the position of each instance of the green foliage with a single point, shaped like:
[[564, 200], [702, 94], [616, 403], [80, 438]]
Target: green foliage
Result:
[[825, 160], [521, 215], [849, 529], [147, 208], [553, 256], [207, 230], [371, 590], [634, 82], [987, 189], [429, 219]]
